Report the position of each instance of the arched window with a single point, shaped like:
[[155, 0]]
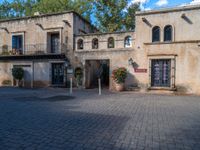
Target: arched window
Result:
[[168, 33], [95, 43], [80, 44], [111, 42], [128, 41], [156, 34]]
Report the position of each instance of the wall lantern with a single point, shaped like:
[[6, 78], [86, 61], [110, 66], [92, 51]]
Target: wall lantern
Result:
[[130, 62]]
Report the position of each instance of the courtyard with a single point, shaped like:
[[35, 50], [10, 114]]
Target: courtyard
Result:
[[51, 119]]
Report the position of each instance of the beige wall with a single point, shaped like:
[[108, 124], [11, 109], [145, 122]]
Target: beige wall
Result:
[[66, 24], [183, 51], [184, 47], [117, 56]]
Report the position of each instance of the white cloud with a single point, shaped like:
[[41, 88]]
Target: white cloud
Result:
[[142, 3], [162, 2], [195, 2]]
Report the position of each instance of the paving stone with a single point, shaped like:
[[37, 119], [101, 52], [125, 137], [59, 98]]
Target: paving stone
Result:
[[113, 121]]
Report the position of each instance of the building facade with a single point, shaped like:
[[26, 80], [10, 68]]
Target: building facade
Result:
[[161, 54], [42, 45]]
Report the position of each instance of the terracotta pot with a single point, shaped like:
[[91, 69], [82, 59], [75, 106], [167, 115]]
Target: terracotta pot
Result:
[[119, 87]]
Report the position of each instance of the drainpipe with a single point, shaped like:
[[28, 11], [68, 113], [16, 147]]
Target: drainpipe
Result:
[[32, 80]]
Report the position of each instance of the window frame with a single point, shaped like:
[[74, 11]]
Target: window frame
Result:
[[95, 45], [153, 34], [109, 42], [164, 38], [79, 42], [129, 38]]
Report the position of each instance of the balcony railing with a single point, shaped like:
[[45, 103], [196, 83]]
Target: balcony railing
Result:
[[33, 49]]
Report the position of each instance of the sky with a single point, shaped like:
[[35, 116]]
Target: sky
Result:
[[156, 4]]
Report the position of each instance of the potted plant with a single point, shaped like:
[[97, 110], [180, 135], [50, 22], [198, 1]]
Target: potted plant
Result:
[[78, 75], [119, 76], [18, 74]]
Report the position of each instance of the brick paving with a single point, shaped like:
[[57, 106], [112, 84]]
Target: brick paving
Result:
[[113, 121]]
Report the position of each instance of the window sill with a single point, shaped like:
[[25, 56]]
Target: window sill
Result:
[[172, 42], [163, 88]]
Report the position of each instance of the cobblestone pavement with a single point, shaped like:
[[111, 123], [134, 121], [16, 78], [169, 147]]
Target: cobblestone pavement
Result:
[[118, 121]]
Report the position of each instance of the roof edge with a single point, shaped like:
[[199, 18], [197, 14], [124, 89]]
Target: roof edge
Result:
[[167, 10], [103, 33]]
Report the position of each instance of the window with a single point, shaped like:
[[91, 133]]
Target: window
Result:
[[156, 34], [80, 44], [95, 44], [17, 44], [127, 41], [111, 42], [168, 33]]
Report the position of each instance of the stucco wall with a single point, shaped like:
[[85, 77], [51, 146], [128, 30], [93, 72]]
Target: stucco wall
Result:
[[184, 46]]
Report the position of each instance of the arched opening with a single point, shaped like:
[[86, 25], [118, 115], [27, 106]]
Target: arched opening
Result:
[[95, 43], [156, 34], [128, 41], [168, 33], [80, 44], [111, 42]]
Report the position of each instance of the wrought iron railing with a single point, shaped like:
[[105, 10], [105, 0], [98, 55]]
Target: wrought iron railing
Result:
[[33, 49]]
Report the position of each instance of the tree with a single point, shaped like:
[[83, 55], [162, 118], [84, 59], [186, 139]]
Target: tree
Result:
[[109, 15], [18, 74], [115, 15]]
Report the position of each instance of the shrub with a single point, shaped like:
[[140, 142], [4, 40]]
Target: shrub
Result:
[[78, 75], [6, 82], [119, 75], [18, 73]]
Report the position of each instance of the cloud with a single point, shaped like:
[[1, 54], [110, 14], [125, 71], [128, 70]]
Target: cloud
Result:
[[195, 2], [162, 2], [142, 2]]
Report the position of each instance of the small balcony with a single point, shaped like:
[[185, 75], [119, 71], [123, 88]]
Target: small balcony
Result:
[[33, 49]]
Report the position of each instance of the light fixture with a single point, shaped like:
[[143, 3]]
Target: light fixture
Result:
[[130, 62]]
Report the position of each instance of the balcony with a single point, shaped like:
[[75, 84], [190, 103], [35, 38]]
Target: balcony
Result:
[[33, 49]]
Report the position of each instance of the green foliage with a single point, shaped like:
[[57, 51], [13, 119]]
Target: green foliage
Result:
[[119, 75], [18, 73], [111, 15], [115, 15], [78, 75]]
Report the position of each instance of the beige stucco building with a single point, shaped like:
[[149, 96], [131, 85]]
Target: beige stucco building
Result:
[[161, 54], [43, 45]]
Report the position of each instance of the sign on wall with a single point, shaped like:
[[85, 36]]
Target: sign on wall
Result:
[[140, 70]]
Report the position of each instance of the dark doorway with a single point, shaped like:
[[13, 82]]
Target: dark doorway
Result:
[[58, 74], [160, 73], [97, 69], [55, 40]]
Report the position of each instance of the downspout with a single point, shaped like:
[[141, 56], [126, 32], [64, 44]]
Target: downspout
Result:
[[32, 81]]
